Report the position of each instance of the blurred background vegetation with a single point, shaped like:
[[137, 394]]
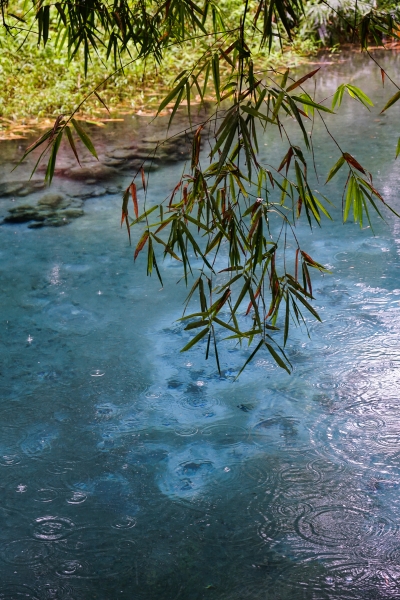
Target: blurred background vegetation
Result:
[[39, 82]]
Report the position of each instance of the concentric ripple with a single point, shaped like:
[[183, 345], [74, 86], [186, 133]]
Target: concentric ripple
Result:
[[25, 551], [51, 528], [225, 434], [342, 527], [85, 550], [17, 592], [363, 437]]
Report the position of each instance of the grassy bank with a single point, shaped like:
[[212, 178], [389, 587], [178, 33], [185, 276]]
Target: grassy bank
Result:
[[39, 83]]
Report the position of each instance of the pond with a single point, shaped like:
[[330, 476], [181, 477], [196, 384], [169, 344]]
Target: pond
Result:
[[129, 470]]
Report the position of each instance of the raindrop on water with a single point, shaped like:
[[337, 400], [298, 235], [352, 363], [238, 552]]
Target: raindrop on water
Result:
[[97, 373]]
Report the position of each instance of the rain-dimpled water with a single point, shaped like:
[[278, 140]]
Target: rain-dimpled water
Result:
[[130, 470]]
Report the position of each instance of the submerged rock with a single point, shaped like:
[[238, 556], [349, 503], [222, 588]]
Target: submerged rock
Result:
[[97, 172], [73, 213], [51, 200], [20, 188], [10, 188], [52, 210], [23, 214]]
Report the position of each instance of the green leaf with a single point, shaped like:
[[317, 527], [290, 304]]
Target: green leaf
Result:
[[52, 159], [349, 197], [390, 102], [85, 138], [196, 324], [226, 325], [145, 214], [242, 294], [335, 168], [278, 103], [196, 339], [216, 77], [252, 355], [102, 101], [71, 142], [355, 92], [277, 358], [338, 96], [303, 100], [255, 113], [306, 304], [172, 95]]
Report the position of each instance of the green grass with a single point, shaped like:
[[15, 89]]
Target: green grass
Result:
[[41, 83]]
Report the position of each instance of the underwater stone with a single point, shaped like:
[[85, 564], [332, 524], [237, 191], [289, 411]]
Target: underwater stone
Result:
[[51, 200], [73, 213], [52, 210], [113, 190], [20, 188], [24, 192], [56, 221], [9, 188], [23, 216], [96, 172]]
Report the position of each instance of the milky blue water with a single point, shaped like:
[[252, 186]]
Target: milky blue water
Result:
[[129, 470]]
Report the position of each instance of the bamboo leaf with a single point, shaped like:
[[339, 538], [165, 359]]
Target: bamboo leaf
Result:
[[71, 142], [167, 248], [335, 168], [355, 92], [141, 244], [216, 77], [52, 159], [171, 95], [255, 113], [252, 355], [306, 304], [196, 339], [84, 137], [196, 324], [143, 178], [102, 101], [308, 102], [145, 214], [302, 80], [353, 162], [277, 358], [390, 102], [338, 96], [132, 188]]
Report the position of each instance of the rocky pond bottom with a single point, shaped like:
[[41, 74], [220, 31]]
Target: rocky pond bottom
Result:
[[23, 194], [129, 470]]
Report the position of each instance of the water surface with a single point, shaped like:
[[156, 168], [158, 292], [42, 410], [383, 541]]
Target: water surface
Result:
[[129, 470]]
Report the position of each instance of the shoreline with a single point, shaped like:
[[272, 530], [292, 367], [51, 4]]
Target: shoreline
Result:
[[24, 128]]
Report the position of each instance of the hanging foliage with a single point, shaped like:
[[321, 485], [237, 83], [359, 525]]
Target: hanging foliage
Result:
[[231, 219]]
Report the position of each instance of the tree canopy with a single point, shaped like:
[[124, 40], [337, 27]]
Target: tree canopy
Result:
[[230, 217]]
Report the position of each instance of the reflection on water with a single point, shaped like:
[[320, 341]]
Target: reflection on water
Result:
[[129, 470]]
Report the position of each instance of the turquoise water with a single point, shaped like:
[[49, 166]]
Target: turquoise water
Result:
[[129, 470]]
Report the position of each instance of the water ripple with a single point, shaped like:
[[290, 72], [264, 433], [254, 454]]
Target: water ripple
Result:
[[25, 551], [222, 434], [17, 592], [51, 528], [95, 553], [342, 527], [364, 434]]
